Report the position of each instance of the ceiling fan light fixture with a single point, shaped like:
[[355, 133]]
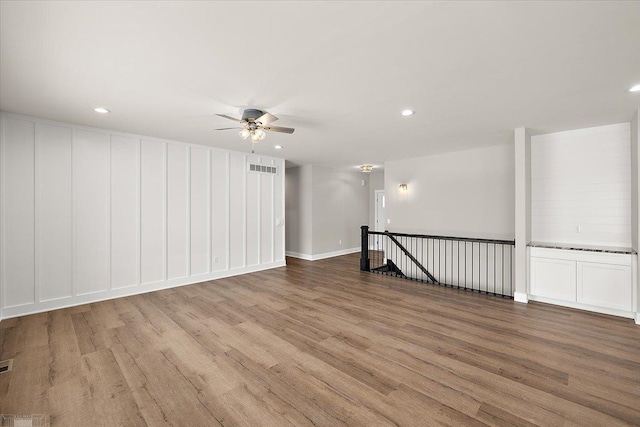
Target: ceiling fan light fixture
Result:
[[244, 133], [258, 135]]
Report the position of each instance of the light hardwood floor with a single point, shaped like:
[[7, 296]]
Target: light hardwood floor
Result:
[[320, 343]]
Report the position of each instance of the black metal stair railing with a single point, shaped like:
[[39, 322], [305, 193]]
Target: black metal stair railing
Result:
[[479, 265]]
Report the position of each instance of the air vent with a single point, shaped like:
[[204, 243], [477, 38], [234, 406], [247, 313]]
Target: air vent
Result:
[[7, 420], [6, 365], [263, 169]]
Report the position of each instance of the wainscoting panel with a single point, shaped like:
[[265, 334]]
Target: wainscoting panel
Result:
[[18, 212], [219, 210], [153, 211], [90, 214], [54, 211], [253, 213], [267, 209], [125, 212], [200, 211], [237, 205], [177, 211], [91, 170]]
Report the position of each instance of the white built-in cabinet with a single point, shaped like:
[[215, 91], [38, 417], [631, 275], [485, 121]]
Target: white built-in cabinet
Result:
[[553, 278], [595, 281]]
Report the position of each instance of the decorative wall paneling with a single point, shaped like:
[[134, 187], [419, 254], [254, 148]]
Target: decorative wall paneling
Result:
[[91, 214]]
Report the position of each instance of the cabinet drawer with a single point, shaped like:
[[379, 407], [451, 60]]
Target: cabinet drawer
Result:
[[553, 278], [605, 285], [584, 256]]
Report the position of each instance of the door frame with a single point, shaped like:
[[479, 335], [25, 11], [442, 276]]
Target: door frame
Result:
[[376, 215]]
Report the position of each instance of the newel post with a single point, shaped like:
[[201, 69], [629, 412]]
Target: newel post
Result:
[[364, 248]]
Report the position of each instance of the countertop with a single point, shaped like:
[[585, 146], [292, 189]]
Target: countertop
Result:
[[579, 247]]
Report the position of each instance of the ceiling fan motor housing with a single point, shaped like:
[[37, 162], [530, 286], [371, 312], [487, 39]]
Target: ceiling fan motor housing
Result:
[[250, 115]]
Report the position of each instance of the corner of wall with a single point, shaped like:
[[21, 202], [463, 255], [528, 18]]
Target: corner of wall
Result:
[[635, 185], [522, 152], [635, 196]]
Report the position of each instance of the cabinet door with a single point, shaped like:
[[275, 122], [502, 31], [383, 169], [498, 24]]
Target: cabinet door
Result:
[[553, 278], [605, 285]]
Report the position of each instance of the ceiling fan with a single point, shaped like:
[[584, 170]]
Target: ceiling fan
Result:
[[254, 123]]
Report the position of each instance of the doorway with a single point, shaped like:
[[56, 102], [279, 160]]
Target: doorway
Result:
[[380, 217]]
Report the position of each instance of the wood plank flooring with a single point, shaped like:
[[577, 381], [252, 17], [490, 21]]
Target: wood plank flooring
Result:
[[320, 343]]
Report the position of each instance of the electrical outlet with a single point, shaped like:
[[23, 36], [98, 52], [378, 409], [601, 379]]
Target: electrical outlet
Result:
[[578, 229], [215, 259]]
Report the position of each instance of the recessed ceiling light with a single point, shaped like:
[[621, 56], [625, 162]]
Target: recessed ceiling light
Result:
[[101, 110], [408, 113], [636, 88], [278, 147]]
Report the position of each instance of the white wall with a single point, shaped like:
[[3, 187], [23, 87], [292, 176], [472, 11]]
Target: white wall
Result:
[[90, 214], [325, 209], [462, 194], [298, 210], [340, 208], [582, 178]]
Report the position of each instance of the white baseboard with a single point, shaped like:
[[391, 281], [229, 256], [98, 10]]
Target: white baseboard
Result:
[[521, 297], [306, 257], [72, 301], [637, 319], [316, 257]]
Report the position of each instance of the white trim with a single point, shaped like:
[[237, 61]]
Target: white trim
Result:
[[244, 213], [585, 307], [376, 213], [521, 297], [36, 211], [76, 126], [322, 256], [299, 255], [637, 318], [66, 302], [2, 227]]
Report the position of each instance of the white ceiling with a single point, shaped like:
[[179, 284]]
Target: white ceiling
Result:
[[339, 72]]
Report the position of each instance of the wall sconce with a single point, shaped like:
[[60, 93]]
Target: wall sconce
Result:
[[403, 188], [366, 168]]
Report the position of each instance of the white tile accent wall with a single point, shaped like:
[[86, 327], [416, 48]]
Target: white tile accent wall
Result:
[[91, 214], [582, 178]]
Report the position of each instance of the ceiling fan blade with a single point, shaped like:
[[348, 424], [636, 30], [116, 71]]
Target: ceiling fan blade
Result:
[[278, 129], [228, 117], [228, 128], [266, 118]]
